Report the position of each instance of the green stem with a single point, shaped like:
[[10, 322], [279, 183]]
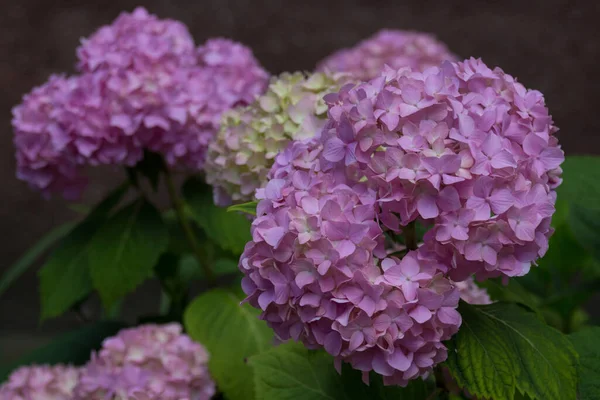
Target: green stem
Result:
[[187, 228], [410, 236]]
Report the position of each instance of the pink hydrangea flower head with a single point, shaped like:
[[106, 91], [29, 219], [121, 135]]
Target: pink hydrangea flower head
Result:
[[393, 48], [227, 76], [149, 362], [42, 140], [244, 150], [41, 382], [464, 147], [170, 95], [471, 293], [460, 147], [318, 270], [143, 85], [137, 41]]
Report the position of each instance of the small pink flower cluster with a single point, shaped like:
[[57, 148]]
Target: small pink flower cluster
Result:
[[149, 362], [394, 48], [143, 85], [471, 293], [460, 146], [41, 382]]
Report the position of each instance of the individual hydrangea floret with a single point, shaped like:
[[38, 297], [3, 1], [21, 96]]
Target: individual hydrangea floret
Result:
[[471, 293], [393, 48], [149, 362], [242, 154], [41, 382], [461, 148]]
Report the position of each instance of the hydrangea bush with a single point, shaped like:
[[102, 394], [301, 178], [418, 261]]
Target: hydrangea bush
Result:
[[399, 227]]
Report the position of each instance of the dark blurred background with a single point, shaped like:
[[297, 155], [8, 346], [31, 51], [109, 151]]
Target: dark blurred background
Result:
[[549, 45]]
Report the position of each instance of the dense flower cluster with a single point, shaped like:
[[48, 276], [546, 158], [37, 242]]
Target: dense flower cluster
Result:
[[239, 159], [41, 382], [41, 140], [143, 85], [462, 147], [134, 44], [318, 269], [393, 48], [227, 76], [149, 362]]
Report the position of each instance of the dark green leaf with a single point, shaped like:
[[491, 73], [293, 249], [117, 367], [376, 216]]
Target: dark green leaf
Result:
[[109, 203], [231, 333], [513, 292], [230, 230], [247, 208], [65, 277], [224, 266], [123, 252], [587, 344], [585, 224], [18, 268], [190, 269], [501, 347], [71, 348], [581, 181], [291, 372]]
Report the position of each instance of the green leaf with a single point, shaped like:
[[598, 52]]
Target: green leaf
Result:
[[71, 348], [65, 277], [22, 264], [501, 347], [291, 372], [585, 224], [190, 269], [247, 208], [513, 292], [123, 252], [230, 230], [587, 344], [231, 332], [581, 181]]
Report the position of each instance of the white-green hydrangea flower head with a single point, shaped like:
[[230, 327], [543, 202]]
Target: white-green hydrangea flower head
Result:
[[250, 137]]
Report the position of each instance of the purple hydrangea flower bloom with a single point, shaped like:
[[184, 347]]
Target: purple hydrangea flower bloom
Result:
[[317, 265], [393, 48], [149, 362], [143, 85], [42, 140], [41, 382], [318, 270], [139, 41], [227, 76]]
